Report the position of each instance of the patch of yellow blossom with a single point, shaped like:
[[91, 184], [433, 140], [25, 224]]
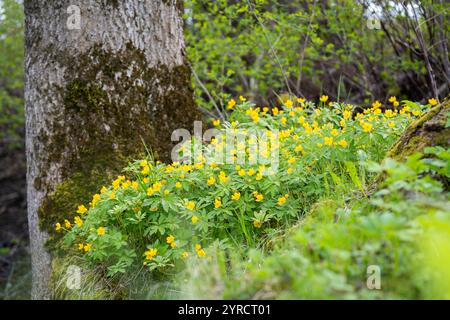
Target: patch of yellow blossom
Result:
[[323, 98], [150, 254], [78, 221], [432, 102], [258, 196], [190, 205], [200, 252], [82, 209], [101, 231], [231, 103], [236, 196]]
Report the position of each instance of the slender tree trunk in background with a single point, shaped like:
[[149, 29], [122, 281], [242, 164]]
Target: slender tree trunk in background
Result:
[[93, 96]]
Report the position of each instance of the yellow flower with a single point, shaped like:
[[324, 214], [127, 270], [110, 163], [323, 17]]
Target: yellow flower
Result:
[[135, 185], [173, 245], [343, 143], [347, 114], [170, 239], [288, 104], [367, 127], [166, 192], [78, 221], [323, 98], [145, 170], [190, 205], [126, 184], [112, 196], [103, 190], [149, 254], [259, 176], [392, 99], [275, 111], [67, 224], [82, 209], [236, 196], [259, 197], [241, 172], [231, 104], [289, 170], [95, 198], [211, 181], [416, 112], [328, 141], [242, 98], [80, 246], [217, 203], [201, 253], [185, 254], [223, 177], [388, 113], [396, 103], [58, 226], [432, 101], [342, 123], [300, 100], [87, 247], [178, 185], [283, 120], [150, 191], [301, 120], [216, 122], [257, 224], [376, 104], [281, 201], [143, 163], [157, 186], [251, 172], [194, 219], [334, 132], [391, 124], [101, 231]]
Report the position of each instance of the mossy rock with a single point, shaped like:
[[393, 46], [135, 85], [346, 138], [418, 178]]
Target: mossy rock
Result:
[[428, 131]]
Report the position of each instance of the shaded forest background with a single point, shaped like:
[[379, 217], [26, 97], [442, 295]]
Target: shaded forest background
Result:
[[355, 51]]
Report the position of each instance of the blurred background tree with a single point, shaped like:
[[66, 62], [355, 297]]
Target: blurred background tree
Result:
[[11, 74]]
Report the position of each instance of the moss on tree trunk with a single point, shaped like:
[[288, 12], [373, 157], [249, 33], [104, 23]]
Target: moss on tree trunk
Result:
[[94, 97]]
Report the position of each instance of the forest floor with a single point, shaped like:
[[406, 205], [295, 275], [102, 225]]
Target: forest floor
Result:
[[15, 275]]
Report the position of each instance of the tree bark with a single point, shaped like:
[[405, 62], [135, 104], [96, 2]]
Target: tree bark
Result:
[[93, 96]]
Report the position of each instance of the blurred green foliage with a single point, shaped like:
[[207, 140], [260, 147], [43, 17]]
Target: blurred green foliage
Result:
[[11, 74], [261, 48]]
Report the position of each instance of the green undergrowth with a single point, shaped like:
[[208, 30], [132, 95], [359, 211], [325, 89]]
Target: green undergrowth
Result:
[[402, 233], [303, 226]]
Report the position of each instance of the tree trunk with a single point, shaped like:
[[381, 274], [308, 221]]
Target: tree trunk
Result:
[[93, 96]]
